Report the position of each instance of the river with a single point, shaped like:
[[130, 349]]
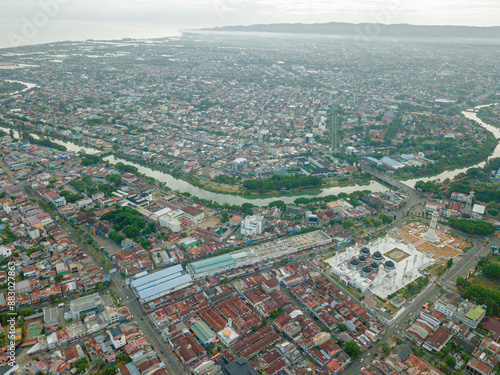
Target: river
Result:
[[450, 174], [27, 84], [182, 186], [185, 187]]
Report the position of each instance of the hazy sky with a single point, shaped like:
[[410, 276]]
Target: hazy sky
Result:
[[36, 21]]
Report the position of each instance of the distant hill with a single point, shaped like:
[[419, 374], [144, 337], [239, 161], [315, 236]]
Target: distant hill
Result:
[[380, 30]]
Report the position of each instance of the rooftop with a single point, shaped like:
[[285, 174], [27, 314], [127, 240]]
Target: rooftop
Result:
[[212, 263], [85, 303], [476, 313], [161, 281], [203, 332]]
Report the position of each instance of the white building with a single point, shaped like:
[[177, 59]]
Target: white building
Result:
[[448, 304], [170, 222], [5, 251], [117, 337], [478, 211], [252, 225], [55, 199], [34, 232], [238, 164]]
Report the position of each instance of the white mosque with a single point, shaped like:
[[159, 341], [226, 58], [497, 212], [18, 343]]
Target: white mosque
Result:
[[383, 266]]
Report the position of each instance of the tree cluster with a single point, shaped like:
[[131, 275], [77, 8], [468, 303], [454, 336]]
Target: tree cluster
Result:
[[481, 295], [277, 182], [128, 220], [476, 227]]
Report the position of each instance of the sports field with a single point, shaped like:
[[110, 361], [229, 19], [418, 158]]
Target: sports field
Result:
[[33, 330]]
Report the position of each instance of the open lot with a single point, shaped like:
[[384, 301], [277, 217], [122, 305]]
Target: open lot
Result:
[[447, 247]]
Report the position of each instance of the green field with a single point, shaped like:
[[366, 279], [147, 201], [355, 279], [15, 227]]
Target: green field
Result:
[[33, 330]]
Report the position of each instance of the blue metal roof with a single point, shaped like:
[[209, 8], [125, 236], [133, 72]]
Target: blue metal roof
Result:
[[164, 286], [160, 281], [156, 276]]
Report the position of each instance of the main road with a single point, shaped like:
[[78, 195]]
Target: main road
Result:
[[460, 268], [172, 364], [127, 298]]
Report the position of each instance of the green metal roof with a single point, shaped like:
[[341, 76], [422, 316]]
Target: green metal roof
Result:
[[212, 263], [203, 332], [475, 314]]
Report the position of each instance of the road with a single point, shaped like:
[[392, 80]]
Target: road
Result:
[[432, 291], [414, 195], [167, 356]]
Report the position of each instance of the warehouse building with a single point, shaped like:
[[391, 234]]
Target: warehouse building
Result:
[[203, 332], [156, 285]]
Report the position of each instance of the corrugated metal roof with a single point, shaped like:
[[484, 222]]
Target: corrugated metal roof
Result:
[[203, 332], [156, 276], [167, 284], [212, 263], [476, 313], [160, 281]]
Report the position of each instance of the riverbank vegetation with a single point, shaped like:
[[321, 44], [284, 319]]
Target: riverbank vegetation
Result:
[[43, 142], [450, 154], [288, 182]]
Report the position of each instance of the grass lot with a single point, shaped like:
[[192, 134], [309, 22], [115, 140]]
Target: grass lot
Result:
[[437, 269], [220, 187], [33, 330], [483, 281]]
